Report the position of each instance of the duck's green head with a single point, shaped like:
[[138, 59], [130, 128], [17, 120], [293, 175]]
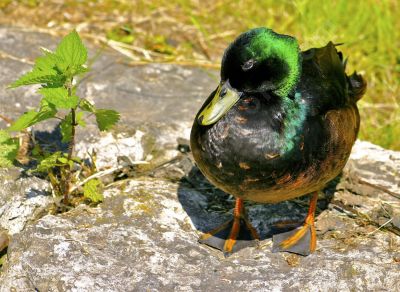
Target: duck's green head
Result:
[[258, 61]]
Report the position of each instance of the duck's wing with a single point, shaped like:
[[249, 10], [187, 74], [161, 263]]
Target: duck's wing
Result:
[[324, 84]]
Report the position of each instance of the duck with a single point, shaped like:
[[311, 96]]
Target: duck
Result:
[[280, 125]]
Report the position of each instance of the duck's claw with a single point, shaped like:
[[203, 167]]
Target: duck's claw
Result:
[[233, 235], [302, 240]]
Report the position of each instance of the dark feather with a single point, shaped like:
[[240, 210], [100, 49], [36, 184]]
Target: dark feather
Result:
[[357, 86], [244, 152]]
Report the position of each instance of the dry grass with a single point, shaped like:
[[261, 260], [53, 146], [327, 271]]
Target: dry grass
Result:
[[191, 32]]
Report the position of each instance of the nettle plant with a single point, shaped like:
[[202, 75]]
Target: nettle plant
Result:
[[56, 73]]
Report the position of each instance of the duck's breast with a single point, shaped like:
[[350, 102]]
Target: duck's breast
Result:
[[244, 154]]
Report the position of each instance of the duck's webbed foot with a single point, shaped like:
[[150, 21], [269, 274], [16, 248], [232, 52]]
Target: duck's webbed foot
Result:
[[302, 240], [234, 234]]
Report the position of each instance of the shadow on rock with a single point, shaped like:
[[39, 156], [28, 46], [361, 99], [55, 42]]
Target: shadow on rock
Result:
[[209, 207], [47, 140]]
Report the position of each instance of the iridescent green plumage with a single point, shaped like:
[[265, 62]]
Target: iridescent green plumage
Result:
[[296, 112], [268, 45], [291, 127]]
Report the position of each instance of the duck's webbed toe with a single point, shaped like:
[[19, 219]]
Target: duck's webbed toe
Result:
[[302, 240], [234, 234]]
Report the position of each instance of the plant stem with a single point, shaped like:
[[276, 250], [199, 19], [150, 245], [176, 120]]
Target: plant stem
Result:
[[71, 146]]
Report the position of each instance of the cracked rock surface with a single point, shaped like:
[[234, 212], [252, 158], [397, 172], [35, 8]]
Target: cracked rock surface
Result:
[[143, 237], [22, 199]]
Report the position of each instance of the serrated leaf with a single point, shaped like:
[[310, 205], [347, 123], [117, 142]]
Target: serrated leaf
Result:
[[86, 106], [30, 118], [24, 121], [37, 77], [72, 51], [47, 63], [80, 70], [49, 162], [59, 97], [91, 191], [54, 68], [106, 118], [8, 149], [44, 72]]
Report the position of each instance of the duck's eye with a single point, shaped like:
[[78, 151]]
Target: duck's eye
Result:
[[248, 65]]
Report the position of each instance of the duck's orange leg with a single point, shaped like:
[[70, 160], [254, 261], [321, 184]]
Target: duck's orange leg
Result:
[[234, 234], [302, 240]]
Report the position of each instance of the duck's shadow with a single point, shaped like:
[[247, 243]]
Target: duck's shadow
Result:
[[209, 207]]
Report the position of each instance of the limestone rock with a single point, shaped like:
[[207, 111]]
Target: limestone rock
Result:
[[374, 168], [22, 199], [145, 238]]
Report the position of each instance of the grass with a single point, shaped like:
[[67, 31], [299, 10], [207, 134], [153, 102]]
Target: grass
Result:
[[196, 33]]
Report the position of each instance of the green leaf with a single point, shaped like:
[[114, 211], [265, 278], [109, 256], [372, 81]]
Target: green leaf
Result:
[[30, 118], [66, 128], [24, 121], [106, 118], [55, 68], [49, 162], [59, 97], [91, 190], [44, 72], [37, 152], [38, 77], [79, 119], [63, 160], [86, 106], [76, 160], [8, 149], [47, 63], [72, 51], [80, 70]]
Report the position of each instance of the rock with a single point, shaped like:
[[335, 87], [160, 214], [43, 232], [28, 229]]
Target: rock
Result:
[[22, 199], [18, 49], [109, 148], [144, 235], [144, 238], [374, 169]]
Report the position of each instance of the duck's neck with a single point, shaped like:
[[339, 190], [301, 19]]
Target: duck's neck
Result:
[[268, 44]]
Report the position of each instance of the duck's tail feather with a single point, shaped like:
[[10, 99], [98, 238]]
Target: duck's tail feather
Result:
[[357, 86], [356, 83]]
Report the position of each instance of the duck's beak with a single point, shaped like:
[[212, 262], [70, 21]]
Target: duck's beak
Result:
[[225, 97]]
